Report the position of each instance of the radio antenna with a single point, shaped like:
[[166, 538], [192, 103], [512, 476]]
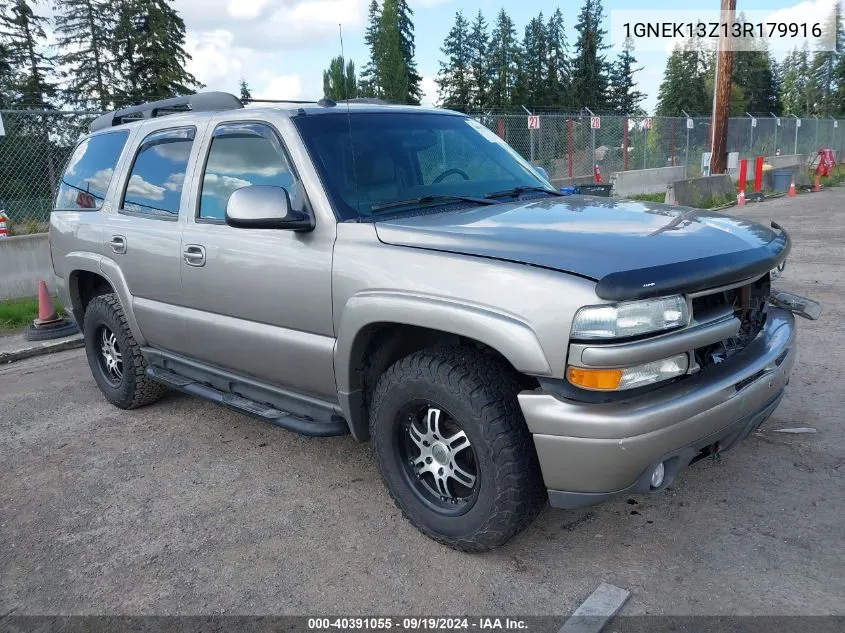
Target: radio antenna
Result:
[[349, 118]]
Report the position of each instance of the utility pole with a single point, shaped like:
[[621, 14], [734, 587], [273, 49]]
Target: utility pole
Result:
[[722, 96]]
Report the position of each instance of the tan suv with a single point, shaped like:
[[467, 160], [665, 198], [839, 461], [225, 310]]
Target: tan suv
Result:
[[401, 274]]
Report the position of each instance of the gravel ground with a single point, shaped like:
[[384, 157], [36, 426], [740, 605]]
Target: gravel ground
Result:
[[187, 508]]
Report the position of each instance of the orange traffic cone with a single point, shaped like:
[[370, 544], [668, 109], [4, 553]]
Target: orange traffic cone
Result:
[[46, 312], [48, 325], [817, 185], [791, 192], [740, 199]]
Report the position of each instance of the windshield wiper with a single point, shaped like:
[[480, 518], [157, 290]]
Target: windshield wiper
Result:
[[518, 191], [429, 198]]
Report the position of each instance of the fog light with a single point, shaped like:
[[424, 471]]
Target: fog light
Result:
[[657, 476]]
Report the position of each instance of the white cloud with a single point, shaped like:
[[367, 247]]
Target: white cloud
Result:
[[175, 181], [430, 91], [140, 187], [245, 9], [281, 87], [100, 180], [222, 186]]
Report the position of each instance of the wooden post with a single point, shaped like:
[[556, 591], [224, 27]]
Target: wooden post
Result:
[[722, 98]]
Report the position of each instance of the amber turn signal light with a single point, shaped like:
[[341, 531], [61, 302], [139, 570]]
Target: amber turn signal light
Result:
[[604, 379]]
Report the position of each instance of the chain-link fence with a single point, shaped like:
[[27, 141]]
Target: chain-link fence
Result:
[[37, 144], [34, 148], [571, 145]]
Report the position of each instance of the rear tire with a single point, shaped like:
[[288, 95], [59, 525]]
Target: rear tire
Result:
[[114, 356], [453, 448]]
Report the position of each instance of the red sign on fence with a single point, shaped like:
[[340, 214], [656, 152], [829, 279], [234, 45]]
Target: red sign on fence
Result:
[[533, 122], [647, 124], [595, 122]]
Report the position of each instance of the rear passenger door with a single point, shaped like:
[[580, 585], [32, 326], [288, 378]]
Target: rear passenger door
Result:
[[144, 237], [259, 299]]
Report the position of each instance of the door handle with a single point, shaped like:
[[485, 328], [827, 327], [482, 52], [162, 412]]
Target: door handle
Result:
[[194, 255], [118, 244]]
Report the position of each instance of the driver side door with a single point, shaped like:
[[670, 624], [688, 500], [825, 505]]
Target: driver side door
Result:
[[258, 301]]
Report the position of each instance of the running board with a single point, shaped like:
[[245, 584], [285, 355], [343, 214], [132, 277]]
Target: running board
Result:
[[267, 413]]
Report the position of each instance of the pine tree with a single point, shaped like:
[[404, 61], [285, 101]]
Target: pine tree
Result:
[[754, 78], [455, 77], [339, 81], [246, 93], [368, 86], [589, 68], [624, 96], [84, 30], [406, 37], [533, 68], [824, 66], [684, 83], [5, 77], [557, 69], [504, 57], [31, 68], [792, 85], [478, 42], [149, 46]]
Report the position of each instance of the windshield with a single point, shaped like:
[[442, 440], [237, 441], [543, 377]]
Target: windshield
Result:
[[399, 156]]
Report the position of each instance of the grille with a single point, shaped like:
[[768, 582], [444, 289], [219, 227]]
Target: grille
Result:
[[748, 303]]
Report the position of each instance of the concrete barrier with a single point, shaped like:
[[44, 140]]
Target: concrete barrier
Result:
[[23, 261], [777, 162], [576, 180], [639, 181], [700, 192]]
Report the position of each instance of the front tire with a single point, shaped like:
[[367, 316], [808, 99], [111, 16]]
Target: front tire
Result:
[[115, 357], [453, 448]]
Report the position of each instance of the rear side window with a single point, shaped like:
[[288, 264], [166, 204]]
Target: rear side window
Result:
[[158, 173], [89, 171], [242, 154]]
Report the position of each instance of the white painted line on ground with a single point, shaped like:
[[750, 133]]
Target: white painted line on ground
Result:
[[597, 610]]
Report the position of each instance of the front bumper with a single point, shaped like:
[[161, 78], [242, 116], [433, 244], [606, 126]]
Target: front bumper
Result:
[[593, 452]]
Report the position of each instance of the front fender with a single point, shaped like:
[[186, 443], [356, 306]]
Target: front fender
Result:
[[506, 333]]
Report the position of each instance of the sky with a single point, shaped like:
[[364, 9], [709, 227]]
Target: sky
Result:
[[282, 47]]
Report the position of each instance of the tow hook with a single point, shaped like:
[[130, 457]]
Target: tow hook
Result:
[[798, 305]]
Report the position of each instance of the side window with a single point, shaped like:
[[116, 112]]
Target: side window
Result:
[[89, 171], [242, 154], [158, 173]]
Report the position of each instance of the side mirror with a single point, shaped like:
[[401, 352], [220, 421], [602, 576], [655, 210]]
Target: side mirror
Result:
[[265, 207], [543, 173]]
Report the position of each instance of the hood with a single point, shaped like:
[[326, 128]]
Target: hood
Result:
[[632, 249]]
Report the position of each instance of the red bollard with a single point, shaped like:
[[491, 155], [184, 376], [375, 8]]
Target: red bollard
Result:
[[758, 175], [743, 177]]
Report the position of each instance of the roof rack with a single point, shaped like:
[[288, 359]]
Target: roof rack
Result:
[[200, 102]]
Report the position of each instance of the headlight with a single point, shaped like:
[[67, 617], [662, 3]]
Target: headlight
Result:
[[630, 319], [629, 377]]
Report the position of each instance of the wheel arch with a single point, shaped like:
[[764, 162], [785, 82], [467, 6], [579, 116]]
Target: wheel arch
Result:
[[378, 328]]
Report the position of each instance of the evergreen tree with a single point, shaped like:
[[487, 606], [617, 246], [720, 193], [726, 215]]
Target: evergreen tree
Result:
[[30, 80], [406, 38], [149, 46], [754, 79], [684, 83], [589, 68], [339, 81], [455, 77], [791, 93], [823, 69], [5, 77], [84, 31], [246, 93], [504, 54], [624, 96], [557, 68], [369, 75], [533, 68], [478, 42]]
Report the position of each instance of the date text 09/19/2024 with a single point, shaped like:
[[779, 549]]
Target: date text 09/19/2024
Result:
[[417, 623]]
